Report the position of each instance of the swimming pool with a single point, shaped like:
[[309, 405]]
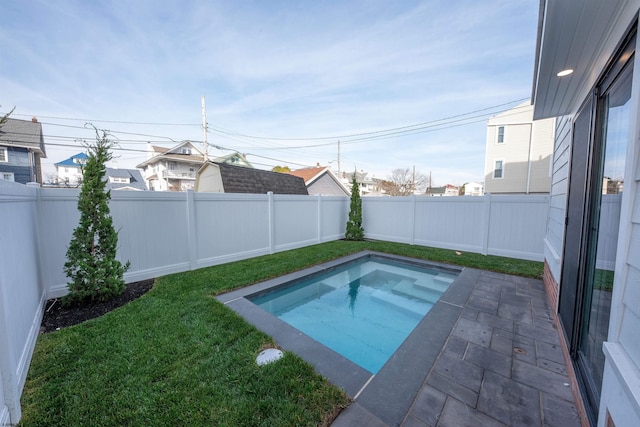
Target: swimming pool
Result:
[[363, 309], [388, 393]]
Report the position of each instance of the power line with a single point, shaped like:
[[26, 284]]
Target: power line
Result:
[[430, 122], [109, 121]]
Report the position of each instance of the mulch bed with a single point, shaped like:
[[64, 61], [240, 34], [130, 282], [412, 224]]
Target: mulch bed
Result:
[[57, 317]]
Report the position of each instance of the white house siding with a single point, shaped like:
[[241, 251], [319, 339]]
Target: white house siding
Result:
[[542, 138], [325, 186], [209, 180], [621, 384], [525, 152], [558, 197]]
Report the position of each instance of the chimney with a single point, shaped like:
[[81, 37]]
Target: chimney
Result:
[[34, 119]]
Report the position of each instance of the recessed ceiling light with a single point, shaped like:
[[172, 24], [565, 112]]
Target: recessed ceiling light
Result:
[[565, 72]]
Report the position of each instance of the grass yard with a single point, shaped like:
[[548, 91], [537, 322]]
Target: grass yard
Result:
[[176, 356]]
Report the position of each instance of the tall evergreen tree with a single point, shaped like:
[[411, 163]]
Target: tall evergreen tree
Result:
[[355, 231], [4, 118], [92, 267]]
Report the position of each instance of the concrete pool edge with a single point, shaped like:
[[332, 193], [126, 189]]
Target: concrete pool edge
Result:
[[388, 395]]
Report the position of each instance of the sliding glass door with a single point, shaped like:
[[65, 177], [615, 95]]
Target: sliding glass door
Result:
[[596, 184]]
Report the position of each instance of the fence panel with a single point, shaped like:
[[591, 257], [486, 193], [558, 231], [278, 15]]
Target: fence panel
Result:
[[450, 222], [388, 218], [334, 214], [517, 225], [22, 291], [295, 221], [608, 231], [161, 233], [230, 227]]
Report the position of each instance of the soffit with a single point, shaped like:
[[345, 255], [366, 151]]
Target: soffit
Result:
[[581, 35]]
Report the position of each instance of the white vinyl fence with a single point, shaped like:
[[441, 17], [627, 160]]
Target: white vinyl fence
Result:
[[505, 225], [162, 233]]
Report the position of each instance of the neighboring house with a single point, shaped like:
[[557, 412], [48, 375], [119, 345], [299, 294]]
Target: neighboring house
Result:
[[226, 178], [321, 181], [125, 179], [21, 148], [368, 186], [473, 189], [69, 171], [171, 169], [445, 191], [587, 74], [518, 152]]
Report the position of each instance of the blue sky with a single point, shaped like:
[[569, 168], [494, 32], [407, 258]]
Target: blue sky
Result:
[[283, 80]]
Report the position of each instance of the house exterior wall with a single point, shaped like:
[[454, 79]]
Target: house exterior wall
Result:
[[70, 174], [558, 198], [325, 186], [209, 180], [525, 152], [169, 175], [620, 392], [621, 384], [21, 164]]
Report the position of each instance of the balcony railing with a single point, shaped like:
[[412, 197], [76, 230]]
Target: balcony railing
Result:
[[178, 174]]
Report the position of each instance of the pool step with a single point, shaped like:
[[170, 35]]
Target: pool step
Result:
[[413, 290], [400, 302], [440, 283], [445, 278]]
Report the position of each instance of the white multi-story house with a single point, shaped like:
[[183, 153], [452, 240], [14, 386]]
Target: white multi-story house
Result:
[[171, 169], [69, 171], [518, 152], [473, 189], [368, 186], [174, 169]]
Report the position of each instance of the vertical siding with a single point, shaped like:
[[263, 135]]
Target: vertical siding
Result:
[[542, 143]]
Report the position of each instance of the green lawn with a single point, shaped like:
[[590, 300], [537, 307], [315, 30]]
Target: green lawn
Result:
[[176, 356]]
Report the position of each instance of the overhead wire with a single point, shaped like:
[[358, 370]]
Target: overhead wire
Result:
[[266, 141]]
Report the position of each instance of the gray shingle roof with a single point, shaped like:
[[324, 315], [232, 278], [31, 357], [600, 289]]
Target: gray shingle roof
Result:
[[238, 179], [23, 133], [135, 179]]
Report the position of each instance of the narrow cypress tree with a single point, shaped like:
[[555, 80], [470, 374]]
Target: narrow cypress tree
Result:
[[354, 225], [92, 267]]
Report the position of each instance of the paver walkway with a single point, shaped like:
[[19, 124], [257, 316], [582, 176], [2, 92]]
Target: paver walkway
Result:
[[502, 365]]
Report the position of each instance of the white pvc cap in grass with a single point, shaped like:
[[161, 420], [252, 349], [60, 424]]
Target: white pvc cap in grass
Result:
[[267, 356]]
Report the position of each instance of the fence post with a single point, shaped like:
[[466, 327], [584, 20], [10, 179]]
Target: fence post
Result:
[[485, 224], [271, 222], [319, 218], [191, 230]]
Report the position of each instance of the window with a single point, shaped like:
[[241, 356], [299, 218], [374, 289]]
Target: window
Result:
[[186, 150], [500, 134], [497, 169], [4, 155], [7, 176]]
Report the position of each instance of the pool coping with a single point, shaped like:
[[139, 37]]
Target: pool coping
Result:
[[388, 394]]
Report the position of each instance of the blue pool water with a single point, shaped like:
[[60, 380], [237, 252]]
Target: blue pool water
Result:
[[363, 310]]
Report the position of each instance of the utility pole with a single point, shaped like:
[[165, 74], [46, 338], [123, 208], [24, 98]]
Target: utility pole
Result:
[[204, 132]]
